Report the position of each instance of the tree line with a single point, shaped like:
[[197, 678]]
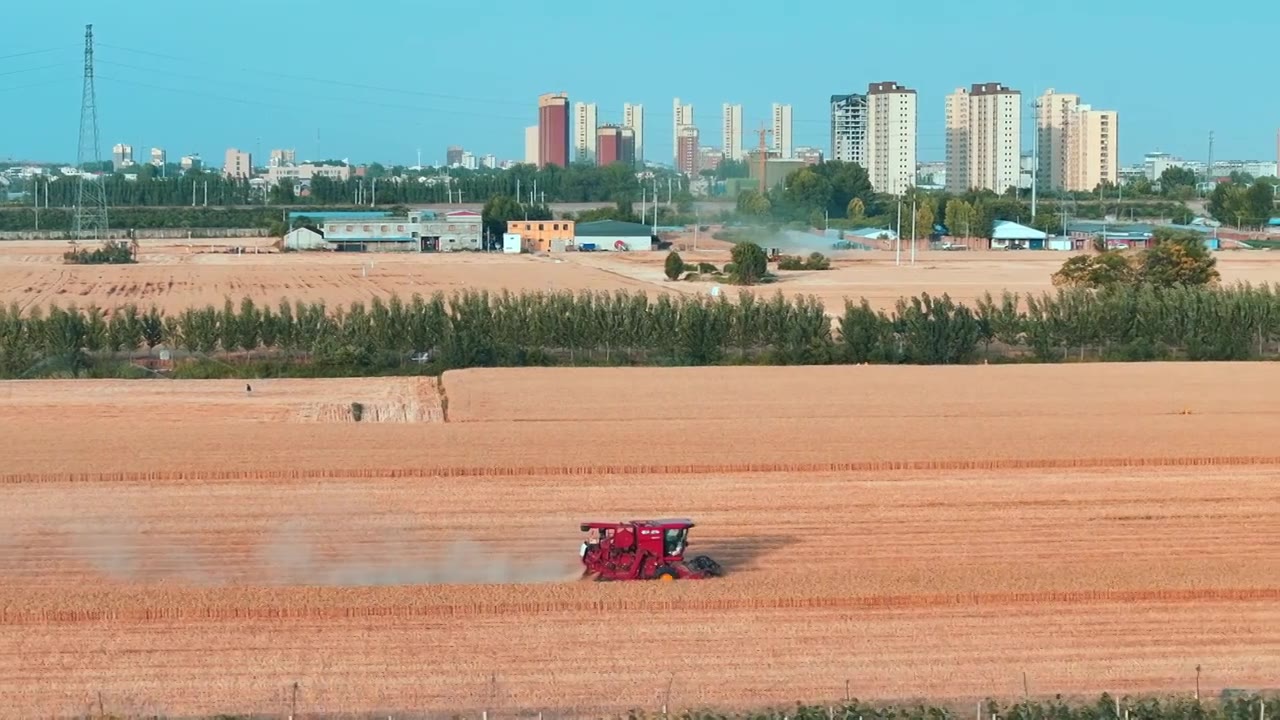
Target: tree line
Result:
[[478, 329]]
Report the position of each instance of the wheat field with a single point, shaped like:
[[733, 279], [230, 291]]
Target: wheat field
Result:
[[912, 532]]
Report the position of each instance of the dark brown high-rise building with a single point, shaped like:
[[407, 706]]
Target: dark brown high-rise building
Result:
[[453, 156], [627, 146], [553, 129], [608, 145]]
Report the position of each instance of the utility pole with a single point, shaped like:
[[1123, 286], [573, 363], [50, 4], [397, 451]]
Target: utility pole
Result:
[[913, 229], [1208, 168], [1035, 156], [35, 180], [897, 243]]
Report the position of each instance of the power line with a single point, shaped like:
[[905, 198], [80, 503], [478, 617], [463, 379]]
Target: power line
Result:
[[326, 81], [246, 101], [275, 91], [35, 52], [34, 69]]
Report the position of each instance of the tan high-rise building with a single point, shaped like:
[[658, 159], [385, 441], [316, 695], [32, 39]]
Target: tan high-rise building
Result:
[[531, 145], [237, 164], [731, 132], [681, 115], [1078, 146], [633, 117], [891, 137], [1093, 139], [584, 131], [984, 138]]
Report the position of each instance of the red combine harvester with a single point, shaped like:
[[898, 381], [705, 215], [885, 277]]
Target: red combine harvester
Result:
[[642, 550]]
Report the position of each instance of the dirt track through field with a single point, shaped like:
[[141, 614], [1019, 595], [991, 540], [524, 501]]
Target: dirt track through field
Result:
[[925, 532]]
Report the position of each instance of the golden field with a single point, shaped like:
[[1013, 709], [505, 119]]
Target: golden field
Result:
[[186, 547]]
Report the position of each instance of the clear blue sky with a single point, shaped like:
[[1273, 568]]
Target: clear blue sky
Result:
[[409, 74]]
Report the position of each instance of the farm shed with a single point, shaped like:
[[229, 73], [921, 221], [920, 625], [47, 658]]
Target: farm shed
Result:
[[1011, 235], [304, 238], [614, 235]]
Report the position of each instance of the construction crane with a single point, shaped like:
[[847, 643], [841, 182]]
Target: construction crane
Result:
[[764, 155]]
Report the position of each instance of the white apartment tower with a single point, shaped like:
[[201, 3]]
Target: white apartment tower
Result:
[[1079, 146], [681, 115], [731, 132], [633, 117], [984, 138], [782, 130], [584, 132], [849, 129], [891, 137]]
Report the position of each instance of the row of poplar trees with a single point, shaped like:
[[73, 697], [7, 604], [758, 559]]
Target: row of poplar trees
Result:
[[478, 329]]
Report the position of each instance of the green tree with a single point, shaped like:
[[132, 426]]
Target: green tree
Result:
[[1105, 269], [751, 202], [856, 210], [750, 262], [674, 266], [1178, 257], [1259, 204], [1176, 177], [924, 219]]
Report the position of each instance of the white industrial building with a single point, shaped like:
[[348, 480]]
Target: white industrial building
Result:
[[613, 236]]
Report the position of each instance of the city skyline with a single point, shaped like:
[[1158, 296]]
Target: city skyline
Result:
[[202, 97]]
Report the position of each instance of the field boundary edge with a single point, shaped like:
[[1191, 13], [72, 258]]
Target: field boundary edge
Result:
[[862, 466]]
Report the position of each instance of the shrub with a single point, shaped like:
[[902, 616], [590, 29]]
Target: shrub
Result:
[[707, 268], [357, 411], [791, 262], [817, 261], [112, 252], [674, 265], [750, 262]]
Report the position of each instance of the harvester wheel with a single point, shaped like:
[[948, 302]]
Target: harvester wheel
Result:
[[707, 566], [666, 574]]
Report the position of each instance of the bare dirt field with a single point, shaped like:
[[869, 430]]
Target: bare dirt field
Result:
[[176, 275], [910, 531]]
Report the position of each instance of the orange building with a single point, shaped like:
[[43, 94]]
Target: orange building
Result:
[[543, 235]]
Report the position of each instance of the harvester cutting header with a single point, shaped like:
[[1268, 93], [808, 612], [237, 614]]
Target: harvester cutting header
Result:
[[642, 550]]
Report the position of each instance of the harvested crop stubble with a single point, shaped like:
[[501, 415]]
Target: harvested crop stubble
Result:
[[917, 536]]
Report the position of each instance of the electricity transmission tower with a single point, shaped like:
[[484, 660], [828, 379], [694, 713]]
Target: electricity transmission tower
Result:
[[91, 196]]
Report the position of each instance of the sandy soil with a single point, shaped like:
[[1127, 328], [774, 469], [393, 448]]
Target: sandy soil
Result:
[[177, 275], [936, 532]]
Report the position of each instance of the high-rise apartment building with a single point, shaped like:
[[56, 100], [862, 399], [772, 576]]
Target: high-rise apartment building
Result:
[[489, 161], [709, 158], [782, 130], [681, 115], [584, 132], [159, 158], [984, 138], [553, 129], [453, 156], [849, 128], [121, 156], [731, 132], [891, 137], [531, 145], [687, 150], [633, 118], [627, 146], [1078, 146], [190, 162], [237, 164], [608, 145], [1093, 149]]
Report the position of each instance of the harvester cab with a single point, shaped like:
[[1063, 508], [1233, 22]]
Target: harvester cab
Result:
[[642, 550]]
